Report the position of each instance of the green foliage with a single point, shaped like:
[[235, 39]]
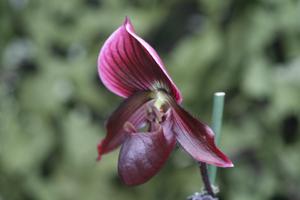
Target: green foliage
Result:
[[53, 106]]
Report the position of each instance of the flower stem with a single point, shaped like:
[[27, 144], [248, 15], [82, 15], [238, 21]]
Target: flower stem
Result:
[[205, 179]]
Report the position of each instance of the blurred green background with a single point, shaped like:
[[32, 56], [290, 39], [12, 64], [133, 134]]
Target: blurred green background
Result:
[[53, 105]]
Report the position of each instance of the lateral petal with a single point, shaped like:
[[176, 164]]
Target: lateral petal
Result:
[[131, 110], [142, 155], [197, 138], [126, 64]]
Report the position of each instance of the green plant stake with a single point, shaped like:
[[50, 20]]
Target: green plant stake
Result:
[[208, 172], [218, 105]]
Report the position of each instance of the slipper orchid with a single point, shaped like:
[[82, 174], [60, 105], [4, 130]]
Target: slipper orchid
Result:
[[150, 121]]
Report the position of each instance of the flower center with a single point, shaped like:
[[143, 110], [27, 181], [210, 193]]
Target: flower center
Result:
[[155, 114]]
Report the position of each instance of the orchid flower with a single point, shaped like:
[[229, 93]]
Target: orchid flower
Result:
[[150, 121]]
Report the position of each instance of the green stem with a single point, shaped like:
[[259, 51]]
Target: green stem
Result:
[[218, 105]]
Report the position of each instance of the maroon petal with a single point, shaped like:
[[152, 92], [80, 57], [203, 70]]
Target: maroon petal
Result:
[[197, 138], [143, 155], [127, 64], [132, 110]]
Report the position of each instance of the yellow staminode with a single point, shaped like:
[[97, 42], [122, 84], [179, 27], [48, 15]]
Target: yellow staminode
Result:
[[160, 100]]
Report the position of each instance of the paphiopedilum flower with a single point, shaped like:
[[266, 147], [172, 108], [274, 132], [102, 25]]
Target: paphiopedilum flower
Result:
[[150, 121]]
